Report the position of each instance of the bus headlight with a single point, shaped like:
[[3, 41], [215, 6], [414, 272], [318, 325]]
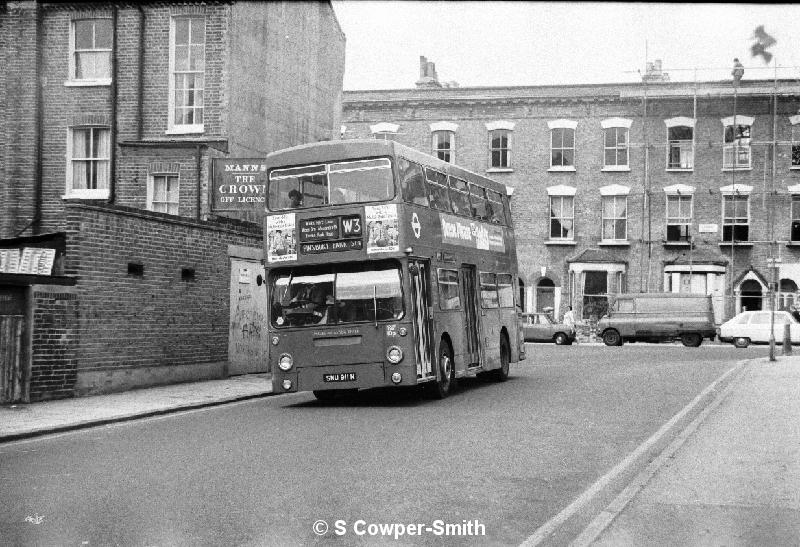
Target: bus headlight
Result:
[[285, 362], [394, 355], [287, 384], [396, 378]]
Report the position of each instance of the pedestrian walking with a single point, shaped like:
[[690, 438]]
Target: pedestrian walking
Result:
[[569, 320]]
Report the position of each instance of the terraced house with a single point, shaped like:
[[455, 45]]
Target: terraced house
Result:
[[647, 186], [117, 266]]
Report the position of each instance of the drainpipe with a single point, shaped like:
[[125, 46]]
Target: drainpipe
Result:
[[112, 181], [199, 152], [38, 176], [140, 90]]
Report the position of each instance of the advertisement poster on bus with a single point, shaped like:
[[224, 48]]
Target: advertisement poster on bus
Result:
[[382, 228], [281, 238], [477, 235]]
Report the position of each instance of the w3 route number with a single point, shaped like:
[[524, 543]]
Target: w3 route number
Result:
[[351, 226]]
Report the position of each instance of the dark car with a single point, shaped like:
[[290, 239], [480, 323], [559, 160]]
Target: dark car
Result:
[[538, 327]]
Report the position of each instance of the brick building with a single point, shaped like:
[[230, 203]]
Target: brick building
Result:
[[115, 268], [634, 187]]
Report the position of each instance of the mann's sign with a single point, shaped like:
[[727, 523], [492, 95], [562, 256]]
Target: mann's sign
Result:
[[238, 184]]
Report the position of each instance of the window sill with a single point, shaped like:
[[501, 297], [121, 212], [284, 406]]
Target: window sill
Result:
[[682, 244], [499, 170], [737, 244], [87, 194], [731, 169], [561, 170], [185, 130], [794, 168], [614, 243], [620, 169], [570, 242], [793, 244], [88, 83], [680, 169]]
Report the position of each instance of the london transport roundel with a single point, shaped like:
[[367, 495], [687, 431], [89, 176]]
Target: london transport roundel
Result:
[[415, 225]]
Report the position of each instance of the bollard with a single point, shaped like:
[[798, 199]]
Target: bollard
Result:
[[787, 339]]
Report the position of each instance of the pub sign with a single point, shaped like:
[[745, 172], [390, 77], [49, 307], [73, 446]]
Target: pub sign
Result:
[[238, 184]]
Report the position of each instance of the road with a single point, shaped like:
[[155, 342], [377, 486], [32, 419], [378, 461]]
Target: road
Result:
[[494, 458]]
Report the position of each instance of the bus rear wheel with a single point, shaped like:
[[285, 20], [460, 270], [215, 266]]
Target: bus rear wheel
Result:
[[501, 374], [445, 379]]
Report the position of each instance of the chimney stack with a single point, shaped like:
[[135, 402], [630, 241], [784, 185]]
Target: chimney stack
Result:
[[653, 73], [427, 74]]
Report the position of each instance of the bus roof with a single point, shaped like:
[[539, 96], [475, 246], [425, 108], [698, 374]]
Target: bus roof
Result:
[[327, 151]]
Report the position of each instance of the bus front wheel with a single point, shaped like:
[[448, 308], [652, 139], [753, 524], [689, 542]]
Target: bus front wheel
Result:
[[445, 379]]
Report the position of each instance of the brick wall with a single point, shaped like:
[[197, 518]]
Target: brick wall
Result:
[[155, 318], [54, 343]]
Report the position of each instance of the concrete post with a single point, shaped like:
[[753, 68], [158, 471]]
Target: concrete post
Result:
[[787, 340]]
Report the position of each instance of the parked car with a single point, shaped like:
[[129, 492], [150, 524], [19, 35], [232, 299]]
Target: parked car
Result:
[[752, 327], [538, 327], [658, 317]]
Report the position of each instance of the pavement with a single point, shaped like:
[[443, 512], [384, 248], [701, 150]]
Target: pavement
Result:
[[730, 477], [30, 420]]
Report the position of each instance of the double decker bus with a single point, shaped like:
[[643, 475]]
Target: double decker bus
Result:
[[386, 267]]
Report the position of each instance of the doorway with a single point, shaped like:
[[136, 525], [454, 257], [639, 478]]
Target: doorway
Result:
[[752, 296], [12, 317], [470, 284], [545, 295], [421, 302]]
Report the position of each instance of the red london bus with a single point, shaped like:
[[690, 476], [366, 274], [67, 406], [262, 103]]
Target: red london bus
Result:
[[386, 267]]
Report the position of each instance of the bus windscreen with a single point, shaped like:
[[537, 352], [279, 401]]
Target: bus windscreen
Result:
[[344, 294]]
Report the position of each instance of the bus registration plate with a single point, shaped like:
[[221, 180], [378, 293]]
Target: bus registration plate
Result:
[[339, 377]]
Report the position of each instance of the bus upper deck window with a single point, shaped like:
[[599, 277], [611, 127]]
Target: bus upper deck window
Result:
[[495, 212], [479, 202], [298, 187], [361, 181], [437, 188], [412, 181], [459, 197]]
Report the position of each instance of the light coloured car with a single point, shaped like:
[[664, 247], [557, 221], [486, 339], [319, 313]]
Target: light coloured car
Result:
[[538, 327], [753, 327]]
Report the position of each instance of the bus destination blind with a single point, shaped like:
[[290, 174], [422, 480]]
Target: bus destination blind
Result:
[[330, 234]]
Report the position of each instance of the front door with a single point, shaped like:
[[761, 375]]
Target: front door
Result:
[[247, 336], [421, 303], [470, 284]]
